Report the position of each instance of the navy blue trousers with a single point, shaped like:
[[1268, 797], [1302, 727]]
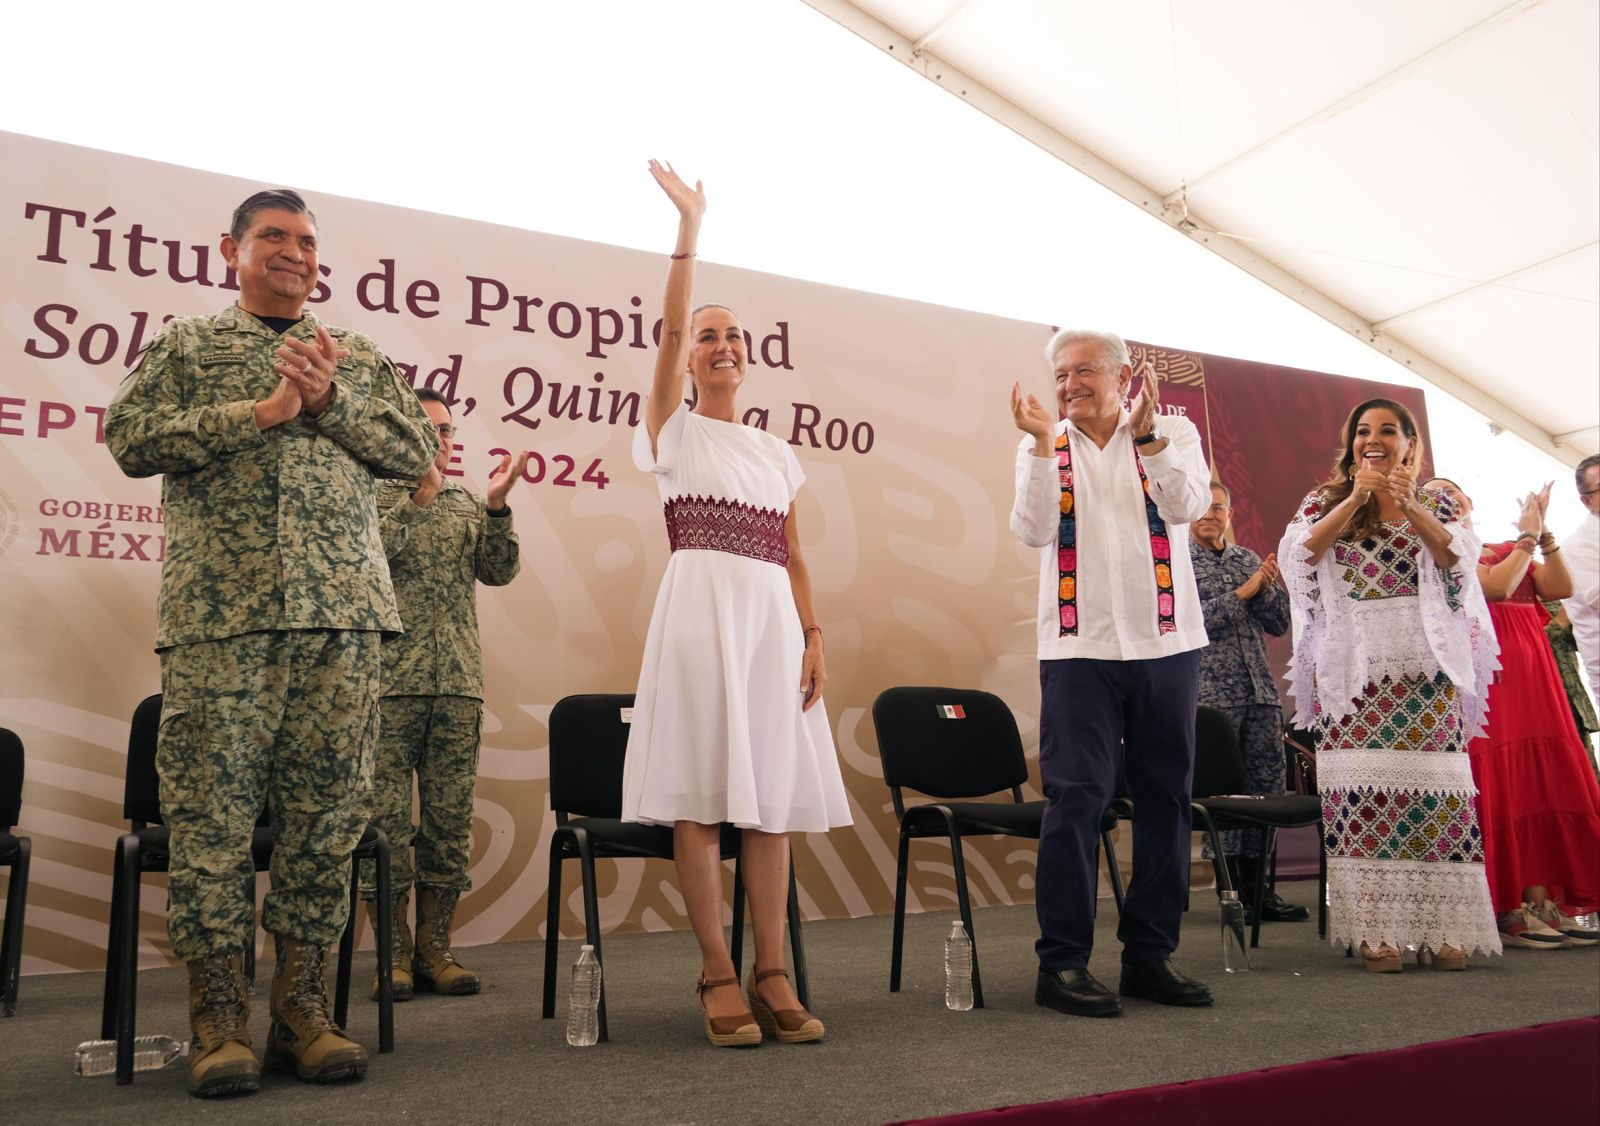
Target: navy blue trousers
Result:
[[1089, 711]]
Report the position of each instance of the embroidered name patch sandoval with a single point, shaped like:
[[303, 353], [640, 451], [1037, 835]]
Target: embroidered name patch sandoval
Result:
[[712, 524]]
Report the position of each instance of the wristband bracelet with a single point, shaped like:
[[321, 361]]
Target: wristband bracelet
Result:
[[812, 630], [681, 257]]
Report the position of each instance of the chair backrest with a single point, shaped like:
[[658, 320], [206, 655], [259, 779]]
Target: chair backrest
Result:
[[10, 779], [948, 743], [588, 740], [1218, 765], [141, 789]]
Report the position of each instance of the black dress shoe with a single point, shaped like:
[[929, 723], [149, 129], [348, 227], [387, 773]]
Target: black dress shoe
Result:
[[1159, 982], [1075, 992], [1276, 909]]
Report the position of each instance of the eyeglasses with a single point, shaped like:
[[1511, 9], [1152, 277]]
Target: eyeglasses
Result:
[[445, 430]]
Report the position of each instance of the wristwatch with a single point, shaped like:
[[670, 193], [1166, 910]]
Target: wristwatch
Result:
[[1155, 435]]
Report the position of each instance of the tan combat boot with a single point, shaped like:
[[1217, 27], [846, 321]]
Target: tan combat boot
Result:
[[400, 949], [434, 966], [303, 1038], [220, 1058]]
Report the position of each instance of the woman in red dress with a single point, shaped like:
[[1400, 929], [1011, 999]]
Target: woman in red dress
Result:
[[1538, 802]]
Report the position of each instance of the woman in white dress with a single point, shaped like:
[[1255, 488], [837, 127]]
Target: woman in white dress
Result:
[[727, 723]]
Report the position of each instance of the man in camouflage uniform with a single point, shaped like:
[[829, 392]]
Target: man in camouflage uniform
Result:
[[441, 541], [271, 429], [1240, 597]]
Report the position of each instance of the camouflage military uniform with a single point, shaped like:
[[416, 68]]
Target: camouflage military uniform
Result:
[[1234, 675], [273, 595], [433, 676]]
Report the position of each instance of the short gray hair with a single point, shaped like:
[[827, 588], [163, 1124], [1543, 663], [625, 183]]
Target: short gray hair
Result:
[[1113, 349], [1588, 463]]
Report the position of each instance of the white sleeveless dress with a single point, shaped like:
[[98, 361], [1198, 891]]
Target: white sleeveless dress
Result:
[[718, 733]]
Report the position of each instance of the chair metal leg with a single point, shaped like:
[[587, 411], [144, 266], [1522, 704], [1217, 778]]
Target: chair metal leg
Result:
[[552, 921], [1269, 840], [250, 943], [108, 1001], [1113, 870], [899, 913], [591, 918], [385, 941], [1219, 863], [797, 948], [347, 950], [737, 945], [128, 951], [962, 898], [11, 942], [1322, 884]]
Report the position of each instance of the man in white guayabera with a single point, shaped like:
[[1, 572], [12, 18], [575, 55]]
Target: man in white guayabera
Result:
[[1105, 495]]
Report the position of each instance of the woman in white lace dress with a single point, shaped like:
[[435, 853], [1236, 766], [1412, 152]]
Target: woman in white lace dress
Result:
[[728, 724], [1393, 654]]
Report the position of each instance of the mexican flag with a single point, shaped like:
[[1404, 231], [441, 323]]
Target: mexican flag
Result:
[[952, 711]]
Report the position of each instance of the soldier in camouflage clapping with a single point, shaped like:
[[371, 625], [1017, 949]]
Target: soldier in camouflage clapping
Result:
[[271, 429], [442, 541]]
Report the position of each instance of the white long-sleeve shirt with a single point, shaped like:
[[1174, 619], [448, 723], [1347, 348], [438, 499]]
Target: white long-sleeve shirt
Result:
[[1583, 561], [1116, 586]]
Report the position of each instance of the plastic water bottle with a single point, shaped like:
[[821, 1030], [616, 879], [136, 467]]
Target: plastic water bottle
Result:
[[150, 1053], [958, 969], [1235, 956], [583, 1003]]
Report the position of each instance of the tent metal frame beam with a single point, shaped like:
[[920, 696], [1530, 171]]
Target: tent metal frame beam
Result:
[[1383, 325], [1151, 201]]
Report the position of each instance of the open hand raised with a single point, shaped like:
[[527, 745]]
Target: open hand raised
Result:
[[502, 477], [1030, 415], [1142, 418], [690, 202]]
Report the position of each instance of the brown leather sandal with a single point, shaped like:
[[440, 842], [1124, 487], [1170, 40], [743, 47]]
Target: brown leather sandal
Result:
[[788, 1026], [1384, 959], [737, 1031], [1445, 958]]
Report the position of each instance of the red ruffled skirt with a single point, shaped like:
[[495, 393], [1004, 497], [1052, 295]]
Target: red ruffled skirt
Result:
[[1538, 803]]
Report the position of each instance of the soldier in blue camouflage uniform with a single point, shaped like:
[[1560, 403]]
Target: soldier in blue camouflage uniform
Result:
[[441, 541], [271, 430], [1240, 597]]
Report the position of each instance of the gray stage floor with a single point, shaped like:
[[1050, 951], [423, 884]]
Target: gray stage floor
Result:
[[887, 1056]]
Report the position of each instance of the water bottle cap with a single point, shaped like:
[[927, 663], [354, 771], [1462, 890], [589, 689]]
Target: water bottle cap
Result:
[[1229, 896], [586, 948]]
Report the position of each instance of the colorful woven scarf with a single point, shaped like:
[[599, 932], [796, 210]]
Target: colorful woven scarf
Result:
[[1067, 543]]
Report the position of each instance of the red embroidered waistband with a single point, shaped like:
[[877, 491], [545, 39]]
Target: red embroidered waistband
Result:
[[711, 524]]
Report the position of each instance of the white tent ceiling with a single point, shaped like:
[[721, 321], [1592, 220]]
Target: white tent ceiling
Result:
[[1422, 173]]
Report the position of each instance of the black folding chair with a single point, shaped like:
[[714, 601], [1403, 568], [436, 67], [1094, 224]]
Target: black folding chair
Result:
[[15, 853], [958, 743], [145, 849], [1219, 805], [588, 741]]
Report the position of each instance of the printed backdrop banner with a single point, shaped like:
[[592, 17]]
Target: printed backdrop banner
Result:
[[897, 410]]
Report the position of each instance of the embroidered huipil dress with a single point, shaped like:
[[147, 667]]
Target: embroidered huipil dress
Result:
[[1392, 660], [718, 732]]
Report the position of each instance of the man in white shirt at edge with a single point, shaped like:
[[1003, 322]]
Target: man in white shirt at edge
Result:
[[1583, 561], [1119, 631]]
